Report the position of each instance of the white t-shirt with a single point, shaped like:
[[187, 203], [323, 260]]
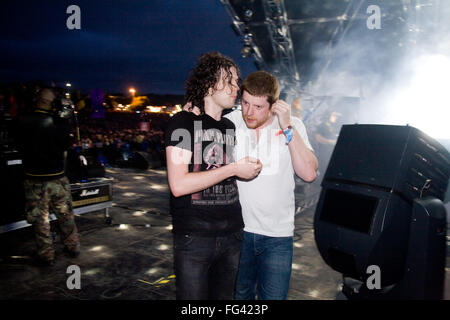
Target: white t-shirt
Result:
[[268, 201]]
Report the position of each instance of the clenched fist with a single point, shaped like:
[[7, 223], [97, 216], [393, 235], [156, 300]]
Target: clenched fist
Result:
[[247, 168]]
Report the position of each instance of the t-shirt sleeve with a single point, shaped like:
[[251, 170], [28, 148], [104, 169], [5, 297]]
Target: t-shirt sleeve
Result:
[[301, 129], [179, 131]]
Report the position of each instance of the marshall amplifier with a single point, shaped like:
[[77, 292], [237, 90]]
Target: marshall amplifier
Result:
[[94, 193]]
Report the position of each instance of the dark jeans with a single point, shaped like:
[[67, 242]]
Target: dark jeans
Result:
[[265, 267], [206, 267]]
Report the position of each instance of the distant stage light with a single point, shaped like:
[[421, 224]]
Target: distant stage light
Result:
[[313, 293], [246, 52], [158, 186], [96, 248], [248, 38], [92, 272], [154, 109], [123, 227], [248, 14], [163, 247], [423, 101], [153, 270], [138, 214]]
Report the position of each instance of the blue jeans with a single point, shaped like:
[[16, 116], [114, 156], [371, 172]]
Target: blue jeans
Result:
[[264, 268], [206, 267]]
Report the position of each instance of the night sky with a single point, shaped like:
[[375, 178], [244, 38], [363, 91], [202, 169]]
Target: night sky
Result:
[[148, 44]]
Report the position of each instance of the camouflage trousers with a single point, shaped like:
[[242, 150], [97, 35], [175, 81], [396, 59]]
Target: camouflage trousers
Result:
[[43, 198]]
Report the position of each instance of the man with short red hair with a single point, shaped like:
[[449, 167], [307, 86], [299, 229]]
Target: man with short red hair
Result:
[[266, 130]]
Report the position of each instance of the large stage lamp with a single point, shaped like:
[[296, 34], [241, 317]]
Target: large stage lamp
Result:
[[381, 205]]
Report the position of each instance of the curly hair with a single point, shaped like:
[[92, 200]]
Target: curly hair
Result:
[[205, 75]]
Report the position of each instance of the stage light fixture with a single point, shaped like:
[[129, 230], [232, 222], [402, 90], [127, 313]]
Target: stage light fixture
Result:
[[248, 14], [246, 51], [248, 38]]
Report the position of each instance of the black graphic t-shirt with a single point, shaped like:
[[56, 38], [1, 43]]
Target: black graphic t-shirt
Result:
[[214, 211]]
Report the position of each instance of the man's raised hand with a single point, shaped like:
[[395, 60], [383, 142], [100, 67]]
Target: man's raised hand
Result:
[[189, 108]]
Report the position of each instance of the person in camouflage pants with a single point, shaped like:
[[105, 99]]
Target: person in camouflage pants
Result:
[[43, 139], [43, 198]]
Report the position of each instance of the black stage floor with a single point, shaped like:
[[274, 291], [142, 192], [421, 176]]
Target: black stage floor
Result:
[[131, 258]]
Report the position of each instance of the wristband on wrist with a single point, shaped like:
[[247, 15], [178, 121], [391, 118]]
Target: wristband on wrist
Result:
[[285, 131], [288, 132]]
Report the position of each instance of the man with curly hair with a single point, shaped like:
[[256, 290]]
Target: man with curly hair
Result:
[[265, 129], [206, 213]]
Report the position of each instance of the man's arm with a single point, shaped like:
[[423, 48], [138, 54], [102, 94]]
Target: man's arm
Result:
[[232, 116], [303, 159], [183, 182]]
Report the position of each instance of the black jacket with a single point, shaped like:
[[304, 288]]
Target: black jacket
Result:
[[43, 139]]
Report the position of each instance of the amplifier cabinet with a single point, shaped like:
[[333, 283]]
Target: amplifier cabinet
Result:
[[94, 195]]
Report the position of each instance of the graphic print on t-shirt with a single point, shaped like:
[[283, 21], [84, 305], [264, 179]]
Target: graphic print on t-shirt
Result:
[[216, 150], [214, 156]]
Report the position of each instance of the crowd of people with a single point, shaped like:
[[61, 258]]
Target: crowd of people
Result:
[[112, 140], [113, 147], [115, 139]]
